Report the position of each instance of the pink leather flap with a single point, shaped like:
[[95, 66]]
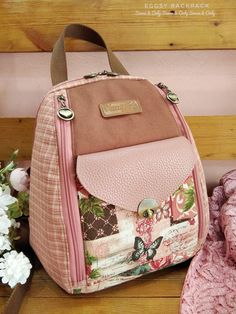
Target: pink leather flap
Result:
[[125, 176]]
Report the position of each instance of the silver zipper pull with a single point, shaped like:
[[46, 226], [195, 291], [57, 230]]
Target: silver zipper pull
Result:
[[64, 112], [90, 75], [162, 86], [107, 73], [172, 97], [104, 72], [112, 74]]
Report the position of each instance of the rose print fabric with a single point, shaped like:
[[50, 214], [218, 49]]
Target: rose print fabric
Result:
[[120, 245]]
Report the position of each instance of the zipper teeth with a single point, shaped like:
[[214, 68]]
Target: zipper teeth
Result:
[[77, 261], [187, 134], [68, 197], [199, 199], [83, 81]]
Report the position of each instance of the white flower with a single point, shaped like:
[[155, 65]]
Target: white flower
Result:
[[5, 198], [2, 211], [5, 224], [5, 244], [14, 268], [19, 179], [15, 224]]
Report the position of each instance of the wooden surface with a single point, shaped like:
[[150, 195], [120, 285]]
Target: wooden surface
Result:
[[30, 25], [156, 293], [215, 136]]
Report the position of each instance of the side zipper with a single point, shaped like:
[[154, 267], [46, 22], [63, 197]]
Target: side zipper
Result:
[[199, 198], [70, 205], [164, 91]]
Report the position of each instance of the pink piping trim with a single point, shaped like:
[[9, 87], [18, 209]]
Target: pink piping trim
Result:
[[199, 197], [70, 203]]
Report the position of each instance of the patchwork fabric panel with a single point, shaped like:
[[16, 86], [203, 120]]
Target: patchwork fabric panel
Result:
[[97, 217], [98, 220], [183, 201], [120, 245]]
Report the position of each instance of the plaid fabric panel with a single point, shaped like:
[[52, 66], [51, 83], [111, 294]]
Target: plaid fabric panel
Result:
[[47, 230]]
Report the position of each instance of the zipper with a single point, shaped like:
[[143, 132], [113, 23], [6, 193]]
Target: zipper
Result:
[[165, 91], [199, 198], [87, 76], [104, 72], [69, 195], [64, 112]]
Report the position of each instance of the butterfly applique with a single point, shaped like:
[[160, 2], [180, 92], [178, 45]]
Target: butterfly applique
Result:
[[140, 248]]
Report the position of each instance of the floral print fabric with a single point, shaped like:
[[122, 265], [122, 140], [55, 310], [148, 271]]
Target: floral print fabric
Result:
[[120, 245]]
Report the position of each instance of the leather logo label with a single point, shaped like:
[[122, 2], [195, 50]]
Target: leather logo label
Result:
[[119, 108]]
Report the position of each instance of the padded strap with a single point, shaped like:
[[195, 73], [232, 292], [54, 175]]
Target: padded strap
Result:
[[79, 31]]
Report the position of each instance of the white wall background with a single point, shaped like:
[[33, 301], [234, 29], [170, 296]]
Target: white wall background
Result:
[[204, 80]]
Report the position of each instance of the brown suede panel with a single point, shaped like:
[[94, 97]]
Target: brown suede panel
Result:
[[93, 133]]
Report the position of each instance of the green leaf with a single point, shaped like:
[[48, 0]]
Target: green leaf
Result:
[[76, 291], [94, 274], [13, 235], [143, 269], [23, 200], [14, 155], [14, 210], [98, 211], [190, 199], [189, 191], [94, 200], [139, 270], [89, 258], [91, 204], [9, 167], [2, 178], [188, 204], [83, 204], [176, 191]]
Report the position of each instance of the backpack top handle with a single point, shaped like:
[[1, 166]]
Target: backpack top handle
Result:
[[79, 31]]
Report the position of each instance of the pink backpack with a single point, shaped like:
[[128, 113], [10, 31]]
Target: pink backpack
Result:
[[117, 187]]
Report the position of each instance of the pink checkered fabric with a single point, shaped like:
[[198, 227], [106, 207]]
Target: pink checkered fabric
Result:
[[47, 229]]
